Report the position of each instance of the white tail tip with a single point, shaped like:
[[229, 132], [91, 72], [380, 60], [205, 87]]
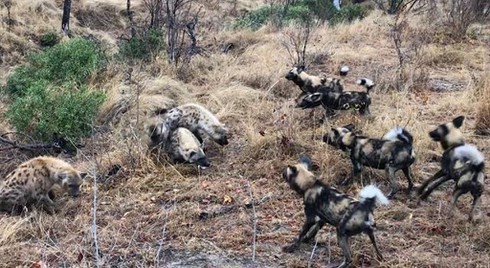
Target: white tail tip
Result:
[[371, 191], [469, 152]]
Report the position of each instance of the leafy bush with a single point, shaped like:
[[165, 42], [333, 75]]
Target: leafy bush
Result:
[[72, 61], [301, 11], [49, 39], [142, 47], [47, 110], [49, 94]]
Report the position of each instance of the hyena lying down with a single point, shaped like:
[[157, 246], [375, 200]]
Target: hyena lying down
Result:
[[324, 204], [30, 184], [333, 97], [461, 162], [391, 153]]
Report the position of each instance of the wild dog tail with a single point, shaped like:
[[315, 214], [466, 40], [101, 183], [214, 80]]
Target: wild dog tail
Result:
[[367, 83], [400, 134], [344, 70], [470, 153], [372, 193]]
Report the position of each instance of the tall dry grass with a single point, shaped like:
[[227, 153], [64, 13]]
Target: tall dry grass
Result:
[[152, 213]]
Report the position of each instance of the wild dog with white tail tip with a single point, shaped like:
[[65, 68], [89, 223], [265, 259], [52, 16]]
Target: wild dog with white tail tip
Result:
[[324, 204], [391, 153], [461, 162]]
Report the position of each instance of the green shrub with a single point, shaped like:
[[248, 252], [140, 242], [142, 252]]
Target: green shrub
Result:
[[142, 47], [72, 61], [49, 39], [46, 110], [49, 95], [301, 11]]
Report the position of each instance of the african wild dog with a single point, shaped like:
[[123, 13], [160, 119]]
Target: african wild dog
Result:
[[30, 184], [391, 153], [367, 83], [198, 120], [305, 82], [332, 100], [461, 162], [324, 204], [344, 70]]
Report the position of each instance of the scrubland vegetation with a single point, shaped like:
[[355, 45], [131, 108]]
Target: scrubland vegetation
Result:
[[97, 87]]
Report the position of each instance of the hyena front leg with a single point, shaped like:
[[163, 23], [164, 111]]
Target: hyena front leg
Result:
[[46, 204]]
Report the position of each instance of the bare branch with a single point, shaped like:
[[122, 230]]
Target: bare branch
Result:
[[254, 220]]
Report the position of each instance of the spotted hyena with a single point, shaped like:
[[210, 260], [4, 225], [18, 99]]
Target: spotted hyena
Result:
[[199, 121], [31, 182]]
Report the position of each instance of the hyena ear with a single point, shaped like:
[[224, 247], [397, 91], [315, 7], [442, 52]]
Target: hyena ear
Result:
[[458, 121], [350, 127], [83, 175]]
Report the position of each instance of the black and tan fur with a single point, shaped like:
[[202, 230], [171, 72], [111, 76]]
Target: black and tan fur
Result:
[[324, 204], [30, 184], [461, 162], [336, 100], [392, 153], [305, 82]]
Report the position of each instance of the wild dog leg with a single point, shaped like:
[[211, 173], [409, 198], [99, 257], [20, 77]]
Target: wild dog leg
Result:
[[309, 223], [344, 245], [356, 171], [476, 202], [393, 181], [408, 174], [370, 233], [432, 183]]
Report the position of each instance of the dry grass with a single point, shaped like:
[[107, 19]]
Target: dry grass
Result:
[[153, 214]]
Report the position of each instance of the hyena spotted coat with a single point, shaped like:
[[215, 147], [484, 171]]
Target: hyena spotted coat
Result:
[[30, 184], [461, 162], [324, 204], [391, 153], [183, 147], [199, 121]]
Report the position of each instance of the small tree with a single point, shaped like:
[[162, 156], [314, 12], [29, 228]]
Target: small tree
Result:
[[65, 20]]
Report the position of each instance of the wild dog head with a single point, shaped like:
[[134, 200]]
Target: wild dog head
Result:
[[293, 74], [449, 134], [299, 177], [71, 180], [341, 137]]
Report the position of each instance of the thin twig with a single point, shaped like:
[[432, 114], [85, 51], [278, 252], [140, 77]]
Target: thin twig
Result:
[[254, 220], [160, 244], [312, 252]]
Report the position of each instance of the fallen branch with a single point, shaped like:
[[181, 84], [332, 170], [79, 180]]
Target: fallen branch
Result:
[[312, 253]]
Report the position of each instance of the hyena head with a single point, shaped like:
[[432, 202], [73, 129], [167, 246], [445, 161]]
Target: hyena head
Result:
[[449, 134], [294, 73], [341, 137], [299, 177], [71, 180], [309, 100], [190, 148], [220, 134]]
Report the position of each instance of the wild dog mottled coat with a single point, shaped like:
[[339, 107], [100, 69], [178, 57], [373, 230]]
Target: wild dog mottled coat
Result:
[[461, 162], [30, 184], [199, 121], [306, 82], [392, 153], [324, 204], [336, 100]]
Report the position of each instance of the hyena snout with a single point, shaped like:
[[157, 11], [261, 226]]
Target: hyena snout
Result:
[[74, 190], [222, 141], [203, 163]]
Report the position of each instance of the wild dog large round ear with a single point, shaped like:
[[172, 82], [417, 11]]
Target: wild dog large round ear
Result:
[[350, 127], [458, 121], [83, 175]]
